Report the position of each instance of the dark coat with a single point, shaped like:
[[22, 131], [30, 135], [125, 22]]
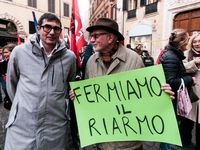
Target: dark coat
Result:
[[174, 70], [88, 52], [3, 67]]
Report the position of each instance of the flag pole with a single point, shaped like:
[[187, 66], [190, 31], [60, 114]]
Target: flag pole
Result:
[[35, 21]]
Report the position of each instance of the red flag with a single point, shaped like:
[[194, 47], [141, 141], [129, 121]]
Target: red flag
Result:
[[77, 36], [61, 35], [19, 41], [157, 61]]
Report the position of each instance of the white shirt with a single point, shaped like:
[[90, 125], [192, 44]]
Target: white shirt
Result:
[[48, 55]]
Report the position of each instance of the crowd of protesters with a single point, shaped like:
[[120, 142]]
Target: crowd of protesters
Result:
[[39, 71]]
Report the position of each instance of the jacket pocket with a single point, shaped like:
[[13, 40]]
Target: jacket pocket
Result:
[[13, 115]]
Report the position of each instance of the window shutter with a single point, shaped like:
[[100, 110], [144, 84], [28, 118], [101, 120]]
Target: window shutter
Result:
[[51, 6], [142, 2], [66, 10], [125, 5], [29, 3], [34, 3]]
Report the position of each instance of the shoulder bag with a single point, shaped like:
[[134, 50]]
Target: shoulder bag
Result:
[[183, 100]]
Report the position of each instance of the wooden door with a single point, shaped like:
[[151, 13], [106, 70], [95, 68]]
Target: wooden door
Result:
[[189, 20]]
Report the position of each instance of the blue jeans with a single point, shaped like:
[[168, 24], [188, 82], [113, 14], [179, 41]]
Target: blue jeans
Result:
[[165, 146], [3, 84]]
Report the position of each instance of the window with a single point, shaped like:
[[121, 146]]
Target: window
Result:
[[98, 2], [32, 3], [114, 12], [66, 32], [106, 15], [51, 6], [151, 1], [31, 27], [92, 8], [66, 10], [142, 2], [95, 4], [132, 4], [151, 7]]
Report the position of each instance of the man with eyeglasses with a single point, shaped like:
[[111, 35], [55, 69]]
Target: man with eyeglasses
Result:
[[38, 77], [111, 57]]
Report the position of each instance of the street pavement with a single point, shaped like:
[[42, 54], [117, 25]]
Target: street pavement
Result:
[[3, 120], [146, 145]]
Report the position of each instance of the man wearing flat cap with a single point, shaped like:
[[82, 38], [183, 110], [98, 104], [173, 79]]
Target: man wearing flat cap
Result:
[[110, 57]]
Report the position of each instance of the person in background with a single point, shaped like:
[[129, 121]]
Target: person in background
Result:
[[174, 70], [129, 46], [110, 57], [6, 51], [192, 65], [6, 54], [88, 52], [2, 72], [38, 77], [1, 56], [138, 50]]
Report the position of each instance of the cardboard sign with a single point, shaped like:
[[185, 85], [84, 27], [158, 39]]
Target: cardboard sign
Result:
[[128, 106]]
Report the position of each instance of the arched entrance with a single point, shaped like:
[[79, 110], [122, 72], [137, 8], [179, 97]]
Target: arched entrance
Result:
[[9, 28], [189, 20]]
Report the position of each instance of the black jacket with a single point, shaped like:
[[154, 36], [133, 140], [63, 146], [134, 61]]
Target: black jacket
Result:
[[174, 70], [3, 67]]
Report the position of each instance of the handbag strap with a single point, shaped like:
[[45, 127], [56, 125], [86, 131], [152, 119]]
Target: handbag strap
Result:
[[182, 85]]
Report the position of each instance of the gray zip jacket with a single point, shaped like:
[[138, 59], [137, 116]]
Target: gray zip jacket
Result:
[[38, 89]]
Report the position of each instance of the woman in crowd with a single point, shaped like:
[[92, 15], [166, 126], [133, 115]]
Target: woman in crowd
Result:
[[7, 51], [192, 65], [174, 70], [6, 54]]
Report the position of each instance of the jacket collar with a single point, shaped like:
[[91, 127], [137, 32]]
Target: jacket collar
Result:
[[120, 54], [177, 51]]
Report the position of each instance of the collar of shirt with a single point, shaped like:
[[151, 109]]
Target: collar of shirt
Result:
[[48, 55]]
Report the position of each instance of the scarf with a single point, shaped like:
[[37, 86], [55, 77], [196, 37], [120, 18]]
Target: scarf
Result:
[[107, 57], [192, 53]]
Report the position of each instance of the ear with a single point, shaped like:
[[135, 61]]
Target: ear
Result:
[[181, 43], [110, 38], [38, 28]]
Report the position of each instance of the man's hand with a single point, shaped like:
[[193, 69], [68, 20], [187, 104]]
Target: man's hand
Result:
[[167, 88], [71, 95]]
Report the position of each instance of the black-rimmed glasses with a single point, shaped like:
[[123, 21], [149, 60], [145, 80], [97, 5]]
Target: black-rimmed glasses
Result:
[[95, 36], [47, 28]]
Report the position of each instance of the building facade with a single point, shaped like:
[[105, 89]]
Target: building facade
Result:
[[102, 8], [149, 22], [16, 17], [143, 23]]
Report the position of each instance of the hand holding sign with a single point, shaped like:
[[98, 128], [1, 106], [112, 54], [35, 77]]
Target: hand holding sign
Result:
[[127, 106]]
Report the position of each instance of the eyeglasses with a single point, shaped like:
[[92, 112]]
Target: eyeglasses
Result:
[[95, 36], [47, 28]]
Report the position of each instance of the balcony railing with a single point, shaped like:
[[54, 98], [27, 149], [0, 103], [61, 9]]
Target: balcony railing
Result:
[[151, 8], [131, 14]]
